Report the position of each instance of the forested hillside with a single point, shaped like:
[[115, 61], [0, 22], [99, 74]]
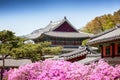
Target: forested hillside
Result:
[[102, 23]]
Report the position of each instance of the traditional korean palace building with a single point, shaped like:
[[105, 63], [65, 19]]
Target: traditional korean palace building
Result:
[[108, 43], [59, 33]]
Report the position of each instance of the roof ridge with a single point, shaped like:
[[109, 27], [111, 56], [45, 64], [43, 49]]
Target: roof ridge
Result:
[[71, 24], [36, 30], [61, 22]]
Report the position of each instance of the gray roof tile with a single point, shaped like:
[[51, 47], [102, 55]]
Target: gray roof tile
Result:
[[111, 34]]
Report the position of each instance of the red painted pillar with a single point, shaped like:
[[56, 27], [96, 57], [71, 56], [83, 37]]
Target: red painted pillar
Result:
[[74, 42], [104, 51], [111, 48], [116, 49]]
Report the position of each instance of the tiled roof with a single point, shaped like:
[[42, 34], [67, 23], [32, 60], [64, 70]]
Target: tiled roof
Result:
[[48, 30], [81, 51], [74, 54], [108, 35], [49, 27]]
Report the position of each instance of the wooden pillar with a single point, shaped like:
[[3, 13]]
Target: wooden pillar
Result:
[[80, 43], [74, 42], [104, 51], [116, 49], [101, 47], [113, 50]]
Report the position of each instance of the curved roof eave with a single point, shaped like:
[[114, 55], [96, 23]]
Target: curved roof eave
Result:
[[66, 35]]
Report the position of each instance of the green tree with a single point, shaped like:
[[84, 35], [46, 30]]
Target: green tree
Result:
[[35, 52], [116, 17], [31, 51], [102, 23], [8, 41]]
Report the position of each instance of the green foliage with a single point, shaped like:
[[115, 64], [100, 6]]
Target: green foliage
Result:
[[84, 42], [9, 41], [51, 50], [102, 23], [45, 44], [6, 36], [5, 48], [15, 47], [34, 51], [29, 50]]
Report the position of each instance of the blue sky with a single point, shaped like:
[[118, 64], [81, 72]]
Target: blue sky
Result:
[[24, 16]]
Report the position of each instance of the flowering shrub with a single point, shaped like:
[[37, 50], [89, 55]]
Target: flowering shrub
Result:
[[63, 70]]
